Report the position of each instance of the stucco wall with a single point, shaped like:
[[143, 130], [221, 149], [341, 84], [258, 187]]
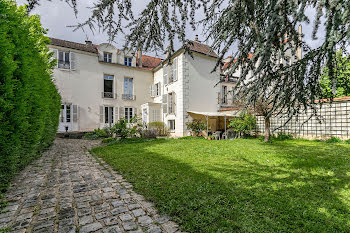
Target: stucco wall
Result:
[[84, 87]]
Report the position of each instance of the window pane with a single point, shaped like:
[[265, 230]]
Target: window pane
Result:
[[106, 114], [125, 61], [108, 86], [130, 59], [60, 56], [111, 111], [126, 114], [66, 57], [68, 113]]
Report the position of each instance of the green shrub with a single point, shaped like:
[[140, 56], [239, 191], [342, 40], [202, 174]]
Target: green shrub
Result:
[[347, 141], [159, 126], [334, 140], [29, 100], [283, 136], [108, 140], [122, 129], [101, 133], [149, 133], [244, 124], [196, 126]]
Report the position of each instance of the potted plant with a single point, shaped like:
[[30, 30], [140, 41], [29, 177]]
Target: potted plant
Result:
[[211, 137]]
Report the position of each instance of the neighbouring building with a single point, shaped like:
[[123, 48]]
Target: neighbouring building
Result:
[[101, 84]]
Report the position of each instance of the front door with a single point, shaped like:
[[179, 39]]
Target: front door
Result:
[[65, 118]]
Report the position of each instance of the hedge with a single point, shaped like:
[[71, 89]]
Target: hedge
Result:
[[29, 100]]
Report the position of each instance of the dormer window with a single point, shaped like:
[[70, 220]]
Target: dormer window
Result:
[[127, 61], [107, 57]]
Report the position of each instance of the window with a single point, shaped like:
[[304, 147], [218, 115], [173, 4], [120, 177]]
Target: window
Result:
[[68, 113], [107, 57], [63, 60], [129, 113], [224, 95], [157, 89], [155, 115], [108, 86], [127, 61], [173, 74], [171, 125], [172, 103], [128, 89], [109, 115]]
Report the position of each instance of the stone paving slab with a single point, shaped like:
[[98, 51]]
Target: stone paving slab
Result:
[[67, 191]]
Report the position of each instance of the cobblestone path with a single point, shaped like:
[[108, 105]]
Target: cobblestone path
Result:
[[67, 190]]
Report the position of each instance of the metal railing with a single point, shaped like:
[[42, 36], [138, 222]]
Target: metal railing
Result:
[[109, 95], [128, 97]]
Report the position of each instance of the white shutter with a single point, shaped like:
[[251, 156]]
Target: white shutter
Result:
[[55, 56], [165, 74], [174, 102], [101, 114], [75, 113], [165, 103], [135, 112], [121, 113], [174, 70], [72, 59], [115, 114], [152, 90]]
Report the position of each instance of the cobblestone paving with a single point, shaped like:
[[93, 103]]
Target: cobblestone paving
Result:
[[67, 190]]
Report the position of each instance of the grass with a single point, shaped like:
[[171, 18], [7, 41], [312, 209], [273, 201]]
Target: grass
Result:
[[243, 185]]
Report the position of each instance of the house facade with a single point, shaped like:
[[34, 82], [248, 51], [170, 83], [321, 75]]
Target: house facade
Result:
[[101, 84]]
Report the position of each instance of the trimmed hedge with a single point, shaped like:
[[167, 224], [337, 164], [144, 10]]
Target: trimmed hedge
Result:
[[29, 100]]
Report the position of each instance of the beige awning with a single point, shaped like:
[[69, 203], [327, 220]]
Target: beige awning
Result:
[[217, 114]]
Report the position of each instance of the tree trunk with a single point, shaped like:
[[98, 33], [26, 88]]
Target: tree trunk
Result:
[[267, 129]]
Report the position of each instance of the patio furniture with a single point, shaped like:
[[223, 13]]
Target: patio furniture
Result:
[[224, 135], [217, 135]]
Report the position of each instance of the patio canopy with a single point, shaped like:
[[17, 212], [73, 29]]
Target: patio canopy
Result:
[[216, 114]]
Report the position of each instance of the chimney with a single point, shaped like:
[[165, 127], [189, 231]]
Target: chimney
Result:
[[88, 42], [139, 57], [299, 49], [196, 39]]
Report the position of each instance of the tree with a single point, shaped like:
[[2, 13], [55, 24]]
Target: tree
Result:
[[29, 100], [266, 29], [340, 86]]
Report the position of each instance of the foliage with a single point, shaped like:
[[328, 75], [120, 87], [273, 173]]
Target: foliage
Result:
[[340, 85], [334, 140], [91, 135], [149, 133], [108, 140], [196, 126], [244, 124], [347, 141], [283, 136], [241, 185], [122, 129], [101, 133], [160, 126], [29, 100]]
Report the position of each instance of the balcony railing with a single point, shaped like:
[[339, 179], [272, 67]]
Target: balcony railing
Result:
[[109, 95], [128, 97]]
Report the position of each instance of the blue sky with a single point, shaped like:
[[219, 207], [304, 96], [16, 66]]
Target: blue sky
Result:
[[56, 15]]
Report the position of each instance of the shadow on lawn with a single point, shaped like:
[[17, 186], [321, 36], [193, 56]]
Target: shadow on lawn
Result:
[[303, 194]]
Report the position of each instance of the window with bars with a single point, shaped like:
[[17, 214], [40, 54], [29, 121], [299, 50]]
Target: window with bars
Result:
[[63, 60]]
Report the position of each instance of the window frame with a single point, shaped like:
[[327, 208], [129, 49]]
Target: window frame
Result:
[[171, 125], [127, 61], [107, 118], [107, 57], [128, 113], [62, 63]]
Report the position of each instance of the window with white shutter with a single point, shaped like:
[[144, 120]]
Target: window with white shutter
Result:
[[152, 91], [165, 103], [101, 114], [72, 61], [54, 56], [174, 70], [116, 116], [121, 113], [165, 74], [75, 113]]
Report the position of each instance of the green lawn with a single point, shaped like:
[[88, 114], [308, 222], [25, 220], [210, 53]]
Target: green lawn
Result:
[[243, 185]]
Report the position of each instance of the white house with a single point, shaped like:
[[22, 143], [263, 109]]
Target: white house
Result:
[[100, 84]]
